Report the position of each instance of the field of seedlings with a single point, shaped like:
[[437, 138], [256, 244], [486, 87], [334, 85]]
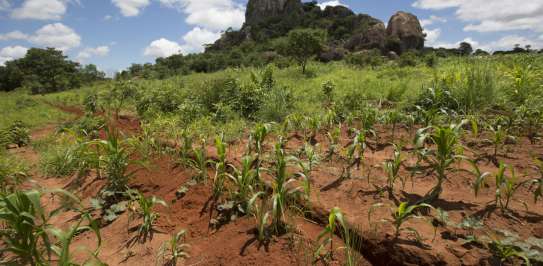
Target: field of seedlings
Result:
[[434, 164]]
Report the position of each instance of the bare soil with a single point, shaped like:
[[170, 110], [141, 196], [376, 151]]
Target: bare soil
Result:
[[234, 243]]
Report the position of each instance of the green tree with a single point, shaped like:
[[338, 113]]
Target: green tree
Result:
[[465, 48], [90, 73], [42, 71], [303, 44]]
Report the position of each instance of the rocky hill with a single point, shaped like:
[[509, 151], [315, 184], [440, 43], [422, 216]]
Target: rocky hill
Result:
[[268, 19]]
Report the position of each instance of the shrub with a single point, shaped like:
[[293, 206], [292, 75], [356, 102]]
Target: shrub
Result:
[[17, 133], [370, 58], [408, 59], [278, 103], [164, 100], [431, 60]]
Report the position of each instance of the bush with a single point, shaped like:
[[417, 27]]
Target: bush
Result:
[[371, 58], [408, 59], [88, 126], [164, 100], [277, 104], [430, 60], [59, 161], [17, 133], [189, 111]]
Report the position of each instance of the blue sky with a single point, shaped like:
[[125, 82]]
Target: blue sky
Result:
[[115, 33]]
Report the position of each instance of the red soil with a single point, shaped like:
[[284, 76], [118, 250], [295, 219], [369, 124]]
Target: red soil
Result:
[[231, 244]]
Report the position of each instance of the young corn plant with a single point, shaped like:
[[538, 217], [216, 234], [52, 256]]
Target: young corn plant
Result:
[[256, 139], [392, 168], [400, 214], [66, 237], [531, 120], [185, 148], [333, 137], [220, 167], [258, 207], [499, 136], [114, 160], [355, 152], [330, 119], [442, 156], [307, 168], [244, 180], [394, 118], [538, 182], [145, 209], [283, 190], [24, 229], [27, 234], [441, 219], [506, 187], [507, 253], [480, 178], [314, 124], [404, 213], [326, 237], [200, 162], [259, 134], [174, 249]]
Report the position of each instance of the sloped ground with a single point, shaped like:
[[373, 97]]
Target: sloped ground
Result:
[[232, 244]]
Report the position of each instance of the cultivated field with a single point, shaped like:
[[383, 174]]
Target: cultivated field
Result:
[[440, 163]]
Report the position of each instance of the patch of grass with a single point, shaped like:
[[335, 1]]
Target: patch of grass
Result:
[[31, 110]]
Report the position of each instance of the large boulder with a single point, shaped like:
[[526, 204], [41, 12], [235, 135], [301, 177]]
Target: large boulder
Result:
[[373, 37], [404, 33], [261, 10]]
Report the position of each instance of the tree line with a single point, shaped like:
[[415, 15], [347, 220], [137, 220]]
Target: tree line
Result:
[[46, 70]]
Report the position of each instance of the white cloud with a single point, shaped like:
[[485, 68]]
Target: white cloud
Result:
[[14, 35], [90, 52], [210, 14], [432, 20], [4, 5], [505, 43], [492, 16], [56, 35], [331, 3], [432, 36], [131, 8], [436, 4], [162, 48], [107, 17], [41, 10], [12, 52], [508, 42], [193, 42], [197, 38]]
